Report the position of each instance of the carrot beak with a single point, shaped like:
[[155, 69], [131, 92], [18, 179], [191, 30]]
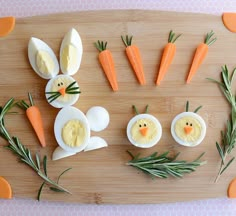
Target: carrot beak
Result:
[[143, 131], [188, 129], [62, 91]]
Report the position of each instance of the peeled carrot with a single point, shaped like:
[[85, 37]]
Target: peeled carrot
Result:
[[7, 24], [167, 56], [134, 57], [106, 60], [5, 189], [34, 115], [200, 55]]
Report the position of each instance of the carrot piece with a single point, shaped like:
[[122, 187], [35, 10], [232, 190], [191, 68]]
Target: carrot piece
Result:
[[200, 55], [232, 189], [229, 21], [167, 56], [5, 189], [7, 24], [134, 57], [106, 60], [34, 115]]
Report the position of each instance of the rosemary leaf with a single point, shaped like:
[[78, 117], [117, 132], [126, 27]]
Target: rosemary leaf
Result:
[[62, 174], [40, 191], [45, 165]]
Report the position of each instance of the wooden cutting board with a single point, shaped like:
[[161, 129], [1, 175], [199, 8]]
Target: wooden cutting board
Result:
[[101, 176]]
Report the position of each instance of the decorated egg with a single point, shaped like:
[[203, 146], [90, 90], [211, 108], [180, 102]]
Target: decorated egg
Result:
[[71, 129], [188, 129], [144, 130]]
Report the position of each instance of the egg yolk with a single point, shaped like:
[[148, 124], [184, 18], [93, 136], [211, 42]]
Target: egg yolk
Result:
[[190, 122], [44, 62], [73, 133], [69, 57], [151, 132]]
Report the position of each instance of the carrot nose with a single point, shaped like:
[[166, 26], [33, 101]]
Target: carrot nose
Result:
[[62, 91], [188, 129], [143, 131]]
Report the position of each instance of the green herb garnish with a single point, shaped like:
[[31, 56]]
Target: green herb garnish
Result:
[[229, 135], [162, 166], [25, 155]]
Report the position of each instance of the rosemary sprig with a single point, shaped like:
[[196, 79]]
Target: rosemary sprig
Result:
[[208, 39], [162, 166], [127, 40], [228, 137], [69, 90], [101, 45], [172, 37], [25, 155]]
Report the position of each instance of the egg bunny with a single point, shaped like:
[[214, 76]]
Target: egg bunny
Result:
[[62, 91]]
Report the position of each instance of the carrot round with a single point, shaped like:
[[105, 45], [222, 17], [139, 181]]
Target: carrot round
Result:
[[134, 57], [229, 21], [34, 115], [200, 55], [7, 24], [106, 60], [232, 189], [5, 189], [167, 56]]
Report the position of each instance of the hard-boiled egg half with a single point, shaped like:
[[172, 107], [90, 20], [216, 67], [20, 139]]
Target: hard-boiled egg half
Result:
[[188, 129], [71, 129], [144, 130]]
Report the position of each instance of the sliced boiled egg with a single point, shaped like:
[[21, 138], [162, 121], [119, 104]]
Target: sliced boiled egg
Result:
[[71, 52], [188, 129], [144, 130], [60, 153], [71, 129], [62, 90], [98, 118], [95, 142], [42, 59]]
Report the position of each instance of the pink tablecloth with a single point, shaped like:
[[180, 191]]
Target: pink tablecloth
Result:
[[216, 207]]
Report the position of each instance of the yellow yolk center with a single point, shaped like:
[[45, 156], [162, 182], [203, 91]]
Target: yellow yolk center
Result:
[[69, 57], [44, 62], [73, 133]]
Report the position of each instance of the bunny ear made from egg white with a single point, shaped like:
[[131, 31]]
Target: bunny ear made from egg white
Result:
[[71, 53], [42, 59]]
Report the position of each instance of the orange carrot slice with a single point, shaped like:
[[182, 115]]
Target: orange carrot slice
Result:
[[232, 189], [200, 55], [34, 115], [229, 20], [167, 56], [7, 24], [134, 57], [5, 189], [106, 60]]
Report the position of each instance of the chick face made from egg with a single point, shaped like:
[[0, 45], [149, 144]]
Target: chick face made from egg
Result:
[[144, 130]]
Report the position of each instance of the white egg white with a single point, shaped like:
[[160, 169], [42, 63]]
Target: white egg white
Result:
[[98, 118], [183, 142], [95, 142], [154, 141], [66, 114], [36, 45], [60, 153], [57, 103], [72, 37]]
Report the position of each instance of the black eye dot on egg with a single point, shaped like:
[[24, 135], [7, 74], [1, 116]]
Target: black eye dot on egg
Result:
[[186, 123], [191, 124], [140, 125], [145, 124], [58, 84], [61, 83]]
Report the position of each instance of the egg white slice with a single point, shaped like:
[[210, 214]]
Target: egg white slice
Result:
[[60, 102], [98, 118], [36, 45], [66, 114], [95, 142], [154, 141], [72, 37], [60, 153], [183, 142]]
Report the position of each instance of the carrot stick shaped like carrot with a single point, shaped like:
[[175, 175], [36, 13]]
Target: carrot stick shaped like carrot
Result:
[[200, 55], [106, 60], [134, 57], [167, 56], [34, 115]]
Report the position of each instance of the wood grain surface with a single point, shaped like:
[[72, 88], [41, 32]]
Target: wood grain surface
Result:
[[101, 176]]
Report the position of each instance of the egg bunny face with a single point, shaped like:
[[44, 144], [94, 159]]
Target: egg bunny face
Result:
[[188, 128], [144, 130], [61, 90]]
